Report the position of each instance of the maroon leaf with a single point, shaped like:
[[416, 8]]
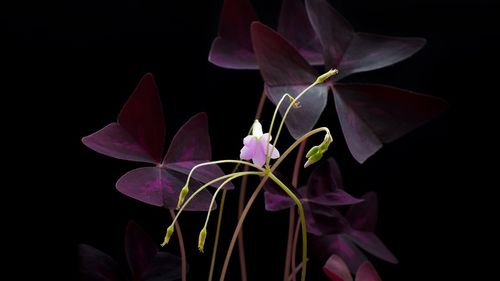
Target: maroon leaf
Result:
[[371, 115], [114, 141], [233, 48], [285, 71], [336, 269], [97, 266], [159, 187], [294, 25], [139, 248], [366, 272], [142, 117]]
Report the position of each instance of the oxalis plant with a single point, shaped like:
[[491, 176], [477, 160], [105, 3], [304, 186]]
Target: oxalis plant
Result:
[[309, 33]]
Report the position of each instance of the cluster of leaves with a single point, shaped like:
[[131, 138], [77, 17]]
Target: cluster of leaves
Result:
[[310, 34]]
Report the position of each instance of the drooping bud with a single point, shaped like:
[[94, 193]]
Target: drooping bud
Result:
[[316, 152], [201, 239], [170, 231], [182, 196], [322, 78]]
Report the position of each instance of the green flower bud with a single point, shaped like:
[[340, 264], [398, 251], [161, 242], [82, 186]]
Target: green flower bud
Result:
[[182, 196], [170, 231], [327, 75], [201, 239]]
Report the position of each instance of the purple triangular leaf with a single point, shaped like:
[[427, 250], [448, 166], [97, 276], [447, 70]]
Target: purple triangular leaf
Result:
[[336, 198], [325, 178], [159, 187], [139, 248], [338, 244], [142, 117], [285, 71], [334, 31], [336, 269], [233, 48], [372, 244], [114, 141], [97, 266], [371, 115], [276, 199], [366, 272], [324, 220], [164, 267], [191, 142], [363, 216], [294, 25], [370, 51]]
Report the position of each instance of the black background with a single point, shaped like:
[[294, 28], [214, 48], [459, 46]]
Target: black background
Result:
[[70, 66]]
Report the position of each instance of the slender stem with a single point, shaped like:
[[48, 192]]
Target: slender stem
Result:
[[234, 176], [241, 202], [292, 275], [294, 250], [241, 245], [239, 226], [302, 221], [272, 123], [295, 184], [182, 248], [288, 259], [217, 232], [288, 110]]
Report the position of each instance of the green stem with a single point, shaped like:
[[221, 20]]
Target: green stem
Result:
[[221, 162], [302, 221], [217, 233]]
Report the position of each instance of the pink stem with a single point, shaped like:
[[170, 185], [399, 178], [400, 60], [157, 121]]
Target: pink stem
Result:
[[181, 247]]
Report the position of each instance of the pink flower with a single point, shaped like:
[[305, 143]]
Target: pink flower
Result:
[[254, 146]]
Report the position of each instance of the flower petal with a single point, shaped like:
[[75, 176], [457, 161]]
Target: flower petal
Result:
[[336, 269]]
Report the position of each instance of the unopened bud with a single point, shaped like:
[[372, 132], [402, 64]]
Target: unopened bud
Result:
[[170, 231], [201, 239]]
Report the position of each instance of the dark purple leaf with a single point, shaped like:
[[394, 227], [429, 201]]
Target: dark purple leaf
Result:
[[371, 115], [142, 117], [191, 146], [338, 244], [191, 142], [294, 25], [371, 51], [324, 186], [362, 219], [114, 141], [363, 216], [139, 248], [324, 220], [160, 187], [366, 272], [97, 266], [352, 52], [164, 267], [139, 134], [233, 48], [334, 31], [336, 269], [372, 244], [285, 71]]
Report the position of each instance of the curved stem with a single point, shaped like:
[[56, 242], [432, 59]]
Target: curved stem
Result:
[[268, 159], [239, 226], [302, 222], [288, 110], [294, 250], [182, 248], [234, 176], [292, 275], [296, 143], [222, 162], [295, 183]]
